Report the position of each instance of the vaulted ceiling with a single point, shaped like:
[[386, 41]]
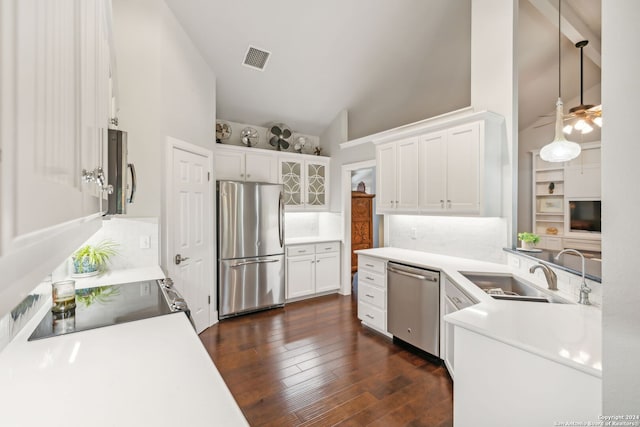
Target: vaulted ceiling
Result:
[[387, 62]]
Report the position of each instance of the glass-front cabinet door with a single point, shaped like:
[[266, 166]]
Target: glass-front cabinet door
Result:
[[305, 182], [292, 181], [316, 184]]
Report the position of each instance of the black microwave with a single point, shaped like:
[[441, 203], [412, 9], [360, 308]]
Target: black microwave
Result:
[[118, 173]]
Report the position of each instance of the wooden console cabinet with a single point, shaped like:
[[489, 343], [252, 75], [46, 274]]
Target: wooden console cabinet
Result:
[[361, 224]]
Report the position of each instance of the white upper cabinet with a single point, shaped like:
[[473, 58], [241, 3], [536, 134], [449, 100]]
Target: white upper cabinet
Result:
[[55, 68], [397, 171], [239, 164], [433, 172], [54, 113], [306, 182], [305, 178], [451, 171], [386, 177], [463, 164]]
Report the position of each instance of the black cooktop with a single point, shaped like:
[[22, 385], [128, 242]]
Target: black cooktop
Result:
[[105, 306]]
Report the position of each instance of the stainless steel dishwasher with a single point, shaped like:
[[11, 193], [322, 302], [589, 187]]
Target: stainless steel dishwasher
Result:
[[413, 312]]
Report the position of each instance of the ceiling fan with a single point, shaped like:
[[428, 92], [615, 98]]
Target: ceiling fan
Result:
[[586, 115]]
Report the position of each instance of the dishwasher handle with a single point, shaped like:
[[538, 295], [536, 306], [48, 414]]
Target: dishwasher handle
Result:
[[415, 276]]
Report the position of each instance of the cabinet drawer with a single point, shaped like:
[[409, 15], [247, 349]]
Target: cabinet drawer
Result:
[[583, 245], [372, 295], [457, 297], [371, 264], [327, 247], [369, 278], [301, 250], [372, 315]]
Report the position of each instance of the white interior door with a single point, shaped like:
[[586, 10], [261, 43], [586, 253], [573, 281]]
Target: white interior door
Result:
[[190, 222]]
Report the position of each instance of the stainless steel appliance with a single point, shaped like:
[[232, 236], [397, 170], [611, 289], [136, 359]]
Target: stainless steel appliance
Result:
[[414, 306], [117, 173], [111, 305], [250, 247]]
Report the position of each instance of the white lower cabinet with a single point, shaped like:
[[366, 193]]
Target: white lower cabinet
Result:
[[312, 269], [372, 293], [492, 374], [452, 299]]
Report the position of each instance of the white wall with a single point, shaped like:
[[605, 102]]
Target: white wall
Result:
[[166, 89], [620, 206], [494, 84]]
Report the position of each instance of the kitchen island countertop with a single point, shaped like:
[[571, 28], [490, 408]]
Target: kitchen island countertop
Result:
[[151, 372], [570, 334]]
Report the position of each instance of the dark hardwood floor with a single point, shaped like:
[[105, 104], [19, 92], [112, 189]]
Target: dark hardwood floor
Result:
[[313, 364]]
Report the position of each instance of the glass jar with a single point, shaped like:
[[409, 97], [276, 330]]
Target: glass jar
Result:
[[64, 296]]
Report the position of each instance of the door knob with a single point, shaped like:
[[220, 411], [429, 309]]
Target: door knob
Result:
[[179, 258]]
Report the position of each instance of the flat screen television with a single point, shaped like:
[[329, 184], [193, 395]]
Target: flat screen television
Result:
[[584, 216]]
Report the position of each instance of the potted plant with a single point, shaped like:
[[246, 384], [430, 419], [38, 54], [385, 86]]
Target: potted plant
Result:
[[528, 240], [92, 259]]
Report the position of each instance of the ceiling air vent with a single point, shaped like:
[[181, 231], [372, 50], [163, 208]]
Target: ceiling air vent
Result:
[[256, 58]]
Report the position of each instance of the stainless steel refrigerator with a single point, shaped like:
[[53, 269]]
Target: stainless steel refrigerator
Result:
[[250, 247]]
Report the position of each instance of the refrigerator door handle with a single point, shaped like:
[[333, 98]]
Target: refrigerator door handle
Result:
[[254, 261], [281, 220]]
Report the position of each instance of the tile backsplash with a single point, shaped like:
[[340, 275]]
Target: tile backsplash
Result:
[[132, 236], [312, 224], [468, 237], [568, 283]]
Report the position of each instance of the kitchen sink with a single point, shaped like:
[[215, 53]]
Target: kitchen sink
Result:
[[511, 288]]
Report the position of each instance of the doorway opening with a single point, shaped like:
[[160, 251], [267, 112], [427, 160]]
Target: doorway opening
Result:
[[363, 229]]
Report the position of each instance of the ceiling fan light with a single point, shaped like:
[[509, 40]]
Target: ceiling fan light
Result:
[[567, 129], [560, 150], [598, 121], [586, 128], [580, 124]]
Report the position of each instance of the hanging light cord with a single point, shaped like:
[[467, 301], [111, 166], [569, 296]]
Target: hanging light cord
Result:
[[559, 44]]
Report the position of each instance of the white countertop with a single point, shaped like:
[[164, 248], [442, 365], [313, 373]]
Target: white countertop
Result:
[[311, 239], [570, 334], [152, 372]]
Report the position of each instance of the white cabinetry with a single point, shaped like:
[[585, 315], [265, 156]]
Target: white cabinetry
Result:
[[490, 371], [306, 182], [459, 172], [396, 176], [452, 299], [372, 293], [240, 164], [54, 80], [312, 269], [455, 170]]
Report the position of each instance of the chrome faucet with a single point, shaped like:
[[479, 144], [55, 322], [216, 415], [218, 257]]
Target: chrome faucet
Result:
[[549, 274], [585, 290]]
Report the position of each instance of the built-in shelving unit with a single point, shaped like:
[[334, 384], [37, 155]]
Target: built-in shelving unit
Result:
[[552, 191]]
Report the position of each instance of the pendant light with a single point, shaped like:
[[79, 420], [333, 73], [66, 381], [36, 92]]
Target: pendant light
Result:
[[559, 150]]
